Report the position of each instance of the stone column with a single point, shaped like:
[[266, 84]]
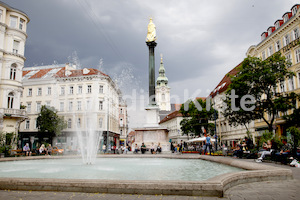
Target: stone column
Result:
[[151, 46]]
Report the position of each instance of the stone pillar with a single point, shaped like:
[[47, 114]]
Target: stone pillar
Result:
[[151, 46]]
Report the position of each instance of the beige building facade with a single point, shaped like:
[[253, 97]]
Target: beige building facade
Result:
[[284, 36], [13, 26]]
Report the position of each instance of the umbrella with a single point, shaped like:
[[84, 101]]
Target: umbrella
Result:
[[201, 139]]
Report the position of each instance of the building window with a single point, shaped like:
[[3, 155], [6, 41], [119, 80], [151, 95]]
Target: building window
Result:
[[21, 25], [121, 111], [1, 13], [70, 106], [10, 100], [36, 124], [48, 104], [61, 106], [38, 106], [16, 45], [100, 122], [78, 123], [13, 71], [78, 105], [291, 84], [87, 104], [288, 58], [296, 33], [80, 89], [49, 91], [69, 123], [121, 132], [101, 89], [27, 124], [39, 92], [121, 122], [285, 18], [100, 105], [297, 52], [89, 89], [62, 90], [71, 90], [163, 97], [294, 11], [30, 92], [13, 21], [282, 88], [277, 45], [286, 39], [299, 80], [29, 107], [263, 55], [277, 25]]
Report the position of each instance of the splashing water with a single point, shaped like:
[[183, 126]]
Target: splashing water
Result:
[[89, 136]]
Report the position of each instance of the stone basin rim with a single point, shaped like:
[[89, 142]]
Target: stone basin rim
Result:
[[215, 186]]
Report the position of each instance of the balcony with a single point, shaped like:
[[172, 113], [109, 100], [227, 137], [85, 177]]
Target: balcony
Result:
[[8, 112]]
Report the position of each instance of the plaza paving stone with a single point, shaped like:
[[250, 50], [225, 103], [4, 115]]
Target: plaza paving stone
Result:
[[273, 190]]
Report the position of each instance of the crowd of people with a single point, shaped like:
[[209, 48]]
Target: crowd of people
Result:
[[42, 150]]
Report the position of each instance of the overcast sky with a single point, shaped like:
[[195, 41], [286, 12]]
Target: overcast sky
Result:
[[201, 40]]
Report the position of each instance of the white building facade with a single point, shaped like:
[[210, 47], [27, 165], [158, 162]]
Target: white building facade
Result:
[[86, 98], [13, 26]]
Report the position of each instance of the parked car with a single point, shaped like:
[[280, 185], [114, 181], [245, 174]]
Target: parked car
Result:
[[57, 150]]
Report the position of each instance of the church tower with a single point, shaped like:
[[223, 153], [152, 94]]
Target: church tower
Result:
[[162, 89]]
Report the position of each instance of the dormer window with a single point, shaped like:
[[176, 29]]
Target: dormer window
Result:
[[264, 35], [286, 17], [270, 30], [294, 10], [277, 25]]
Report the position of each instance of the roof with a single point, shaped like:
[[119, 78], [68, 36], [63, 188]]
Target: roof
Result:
[[58, 71], [8, 7], [225, 82], [171, 116], [203, 98]]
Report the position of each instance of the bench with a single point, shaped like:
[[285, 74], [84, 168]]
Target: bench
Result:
[[19, 152]]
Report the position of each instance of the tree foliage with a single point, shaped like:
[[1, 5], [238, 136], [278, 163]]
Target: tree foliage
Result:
[[49, 123], [197, 116], [260, 79]]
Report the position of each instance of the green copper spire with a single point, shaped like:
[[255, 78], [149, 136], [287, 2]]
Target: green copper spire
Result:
[[162, 80]]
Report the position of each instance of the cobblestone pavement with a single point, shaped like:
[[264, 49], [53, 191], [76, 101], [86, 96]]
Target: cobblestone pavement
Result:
[[274, 190]]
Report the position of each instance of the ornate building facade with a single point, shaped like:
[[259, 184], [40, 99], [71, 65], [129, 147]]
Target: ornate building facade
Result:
[[84, 97], [283, 36], [13, 26]]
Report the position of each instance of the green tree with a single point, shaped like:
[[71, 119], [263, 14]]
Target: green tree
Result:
[[197, 116], [259, 80], [49, 123]]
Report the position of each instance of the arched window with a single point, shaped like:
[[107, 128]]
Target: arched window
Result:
[[10, 100], [13, 71]]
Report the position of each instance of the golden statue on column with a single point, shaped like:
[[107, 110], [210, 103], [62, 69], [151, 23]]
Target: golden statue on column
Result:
[[151, 34]]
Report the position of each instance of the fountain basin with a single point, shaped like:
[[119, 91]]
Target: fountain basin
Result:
[[214, 186]]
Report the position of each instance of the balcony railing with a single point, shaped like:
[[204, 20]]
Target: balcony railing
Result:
[[13, 112]]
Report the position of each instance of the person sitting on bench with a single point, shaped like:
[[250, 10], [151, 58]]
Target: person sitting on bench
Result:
[[26, 150]]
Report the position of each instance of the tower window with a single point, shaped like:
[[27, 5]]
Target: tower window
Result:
[[10, 100], [13, 71], [13, 21], [16, 46], [21, 24]]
